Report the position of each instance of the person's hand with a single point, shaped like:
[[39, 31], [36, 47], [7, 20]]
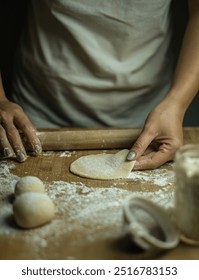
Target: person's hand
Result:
[[160, 138], [13, 121]]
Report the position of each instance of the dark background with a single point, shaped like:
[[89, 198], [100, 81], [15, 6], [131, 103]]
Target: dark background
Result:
[[12, 20]]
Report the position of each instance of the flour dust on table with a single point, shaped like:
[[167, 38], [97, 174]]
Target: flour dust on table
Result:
[[93, 214]]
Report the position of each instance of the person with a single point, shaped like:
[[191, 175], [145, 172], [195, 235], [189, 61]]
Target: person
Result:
[[102, 64]]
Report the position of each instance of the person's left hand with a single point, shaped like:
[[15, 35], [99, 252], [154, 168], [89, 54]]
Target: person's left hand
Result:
[[160, 138]]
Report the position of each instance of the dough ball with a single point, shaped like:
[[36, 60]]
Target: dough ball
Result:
[[33, 209], [103, 166], [29, 184]]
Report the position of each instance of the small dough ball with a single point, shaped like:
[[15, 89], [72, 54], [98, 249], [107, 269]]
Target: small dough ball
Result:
[[29, 184], [33, 209]]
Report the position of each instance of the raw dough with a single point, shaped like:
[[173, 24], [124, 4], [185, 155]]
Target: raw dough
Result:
[[33, 209], [103, 166], [29, 184]]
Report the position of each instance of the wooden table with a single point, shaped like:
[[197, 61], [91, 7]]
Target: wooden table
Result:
[[88, 223]]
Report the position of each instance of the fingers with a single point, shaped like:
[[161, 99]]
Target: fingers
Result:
[[150, 153], [10, 138], [29, 131], [14, 139], [156, 158], [5, 146], [140, 146], [152, 161]]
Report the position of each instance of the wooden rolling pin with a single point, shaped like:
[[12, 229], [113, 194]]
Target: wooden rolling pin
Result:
[[87, 139], [91, 139]]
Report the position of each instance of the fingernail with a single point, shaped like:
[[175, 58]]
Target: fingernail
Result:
[[21, 156], [8, 153], [131, 155], [37, 149]]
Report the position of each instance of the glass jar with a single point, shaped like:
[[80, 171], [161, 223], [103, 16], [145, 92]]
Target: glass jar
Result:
[[187, 192]]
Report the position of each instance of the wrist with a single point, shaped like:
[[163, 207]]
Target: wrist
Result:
[[179, 100], [172, 107], [3, 97]]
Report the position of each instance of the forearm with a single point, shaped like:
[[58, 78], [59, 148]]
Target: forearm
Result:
[[2, 93], [185, 83]]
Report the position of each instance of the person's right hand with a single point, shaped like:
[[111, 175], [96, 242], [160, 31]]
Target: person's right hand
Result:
[[13, 122]]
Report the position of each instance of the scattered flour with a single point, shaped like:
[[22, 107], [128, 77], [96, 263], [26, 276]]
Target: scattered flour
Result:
[[65, 154], [60, 154], [47, 154], [160, 177], [92, 213], [7, 180]]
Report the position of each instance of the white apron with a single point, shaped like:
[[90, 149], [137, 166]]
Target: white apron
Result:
[[93, 63]]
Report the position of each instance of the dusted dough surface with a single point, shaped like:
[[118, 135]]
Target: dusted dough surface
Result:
[[103, 166], [33, 209], [29, 184]]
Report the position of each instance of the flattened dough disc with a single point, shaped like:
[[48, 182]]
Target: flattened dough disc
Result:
[[103, 166]]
